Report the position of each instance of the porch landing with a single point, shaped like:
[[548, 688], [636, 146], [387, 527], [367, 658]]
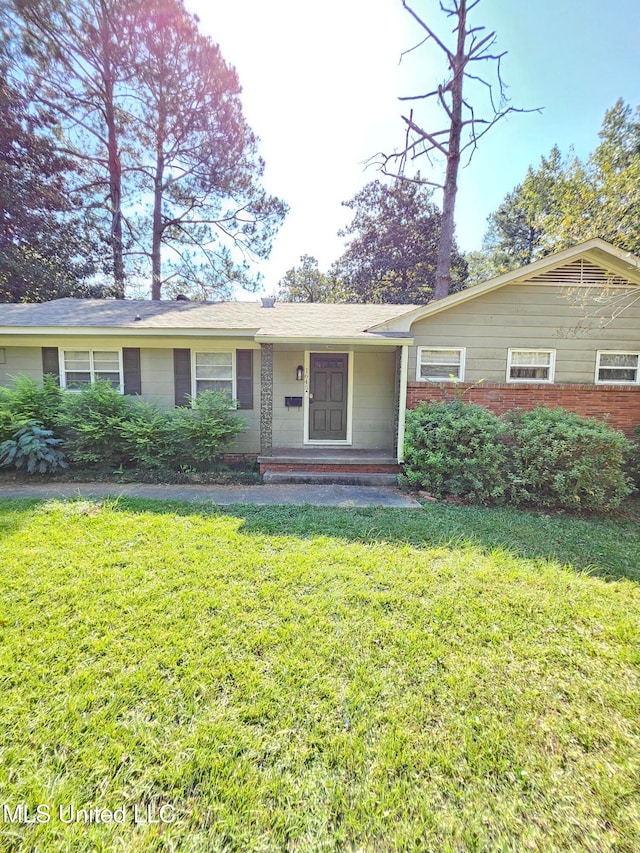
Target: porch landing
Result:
[[323, 465]]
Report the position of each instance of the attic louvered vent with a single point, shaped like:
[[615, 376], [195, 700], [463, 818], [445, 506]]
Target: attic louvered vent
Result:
[[581, 273]]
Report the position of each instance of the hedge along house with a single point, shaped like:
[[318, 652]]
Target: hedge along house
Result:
[[324, 387]]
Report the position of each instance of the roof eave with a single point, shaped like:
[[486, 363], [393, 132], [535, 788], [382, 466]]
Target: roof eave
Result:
[[346, 340]]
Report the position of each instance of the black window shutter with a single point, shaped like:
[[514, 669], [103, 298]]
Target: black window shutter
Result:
[[50, 363], [244, 378], [182, 376], [131, 370]]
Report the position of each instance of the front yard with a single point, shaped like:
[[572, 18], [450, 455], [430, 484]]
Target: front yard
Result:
[[298, 679]]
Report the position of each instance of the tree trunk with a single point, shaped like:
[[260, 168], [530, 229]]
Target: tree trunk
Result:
[[115, 199], [156, 237], [113, 155], [447, 225]]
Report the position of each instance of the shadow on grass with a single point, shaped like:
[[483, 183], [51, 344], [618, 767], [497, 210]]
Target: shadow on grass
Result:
[[608, 548], [14, 514]]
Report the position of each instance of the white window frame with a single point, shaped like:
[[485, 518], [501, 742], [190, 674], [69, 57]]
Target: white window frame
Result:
[[91, 351], [194, 378], [448, 377], [599, 381], [551, 365]]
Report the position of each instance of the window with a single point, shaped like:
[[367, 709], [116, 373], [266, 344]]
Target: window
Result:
[[440, 363], [82, 367], [618, 367], [213, 372], [530, 365]]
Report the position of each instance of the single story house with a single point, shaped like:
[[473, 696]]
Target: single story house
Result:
[[326, 386]]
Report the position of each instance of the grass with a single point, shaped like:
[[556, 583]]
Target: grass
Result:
[[308, 679]]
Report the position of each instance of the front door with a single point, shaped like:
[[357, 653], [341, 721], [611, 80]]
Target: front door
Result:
[[328, 396]]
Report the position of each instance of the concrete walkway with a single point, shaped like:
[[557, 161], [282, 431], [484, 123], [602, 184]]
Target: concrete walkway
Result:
[[344, 496]]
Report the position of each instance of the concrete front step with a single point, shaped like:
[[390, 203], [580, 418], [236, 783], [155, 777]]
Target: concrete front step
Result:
[[334, 478]]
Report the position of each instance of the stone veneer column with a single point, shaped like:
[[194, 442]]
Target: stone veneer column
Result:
[[396, 399], [266, 398]]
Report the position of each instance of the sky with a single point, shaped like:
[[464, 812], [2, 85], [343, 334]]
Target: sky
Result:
[[321, 82]]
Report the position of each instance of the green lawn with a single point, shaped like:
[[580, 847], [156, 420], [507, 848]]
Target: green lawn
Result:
[[304, 679]]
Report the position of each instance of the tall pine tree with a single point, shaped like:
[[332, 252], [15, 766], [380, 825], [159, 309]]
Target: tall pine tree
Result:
[[42, 251]]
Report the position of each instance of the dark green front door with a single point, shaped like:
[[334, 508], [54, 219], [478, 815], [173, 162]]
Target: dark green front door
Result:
[[328, 397]]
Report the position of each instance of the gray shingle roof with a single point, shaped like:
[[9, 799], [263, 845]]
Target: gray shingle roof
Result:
[[284, 319]]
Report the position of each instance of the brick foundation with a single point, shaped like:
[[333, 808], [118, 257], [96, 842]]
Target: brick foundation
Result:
[[239, 459], [330, 467], [620, 403]]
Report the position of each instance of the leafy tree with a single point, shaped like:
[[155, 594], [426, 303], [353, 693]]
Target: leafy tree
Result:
[[484, 265], [463, 126], [150, 113], [516, 235], [307, 284], [602, 197], [565, 201], [42, 250], [393, 254], [78, 54], [200, 160], [514, 227]]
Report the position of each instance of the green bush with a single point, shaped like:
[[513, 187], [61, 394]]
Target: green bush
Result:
[[633, 460], [91, 421], [27, 401], [206, 430], [560, 459], [34, 448], [151, 437], [455, 448], [102, 428], [545, 457], [7, 420], [184, 439]]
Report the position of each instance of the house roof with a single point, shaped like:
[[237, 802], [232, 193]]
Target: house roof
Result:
[[286, 320], [302, 321], [623, 267]]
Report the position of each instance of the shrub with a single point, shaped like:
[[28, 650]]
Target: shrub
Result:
[[7, 421], [206, 430], [34, 448], [102, 428], [27, 401], [455, 448], [151, 437], [633, 460], [92, 419], [560, 459]]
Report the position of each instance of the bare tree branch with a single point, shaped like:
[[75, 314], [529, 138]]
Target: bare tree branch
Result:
[[427, 29], [465, 128]]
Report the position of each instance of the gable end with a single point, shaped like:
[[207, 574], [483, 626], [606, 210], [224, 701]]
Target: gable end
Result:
[[580, 273]]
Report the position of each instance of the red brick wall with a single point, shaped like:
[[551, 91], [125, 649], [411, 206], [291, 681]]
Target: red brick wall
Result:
[[621, 403], [240, 459], [330, 467]]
